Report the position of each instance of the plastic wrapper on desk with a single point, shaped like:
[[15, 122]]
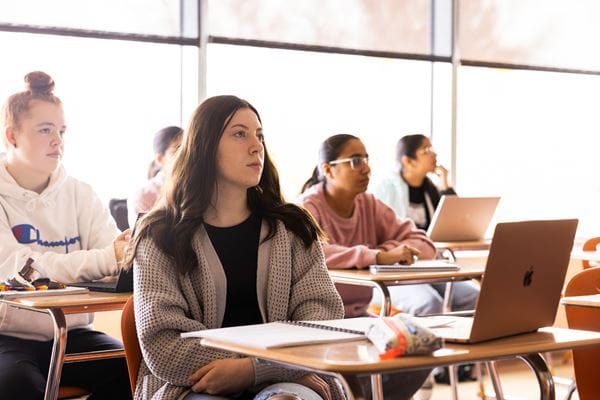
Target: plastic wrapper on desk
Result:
[[401, 335]]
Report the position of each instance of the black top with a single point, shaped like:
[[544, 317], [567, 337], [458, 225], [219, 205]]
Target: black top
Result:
[[418, 210], [237, 248]]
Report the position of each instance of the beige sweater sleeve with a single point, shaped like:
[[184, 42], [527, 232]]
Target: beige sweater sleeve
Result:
[[161, 314]]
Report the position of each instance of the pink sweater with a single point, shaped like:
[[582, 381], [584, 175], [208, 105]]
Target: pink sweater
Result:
[[355, 241]]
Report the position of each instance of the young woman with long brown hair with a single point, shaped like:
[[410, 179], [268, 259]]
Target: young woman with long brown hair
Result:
[[225, 249]]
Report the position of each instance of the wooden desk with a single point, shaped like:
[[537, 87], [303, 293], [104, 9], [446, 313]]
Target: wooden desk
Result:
[[382, 280], [579, 254], [592, 300], [346, 360], [57, 307]]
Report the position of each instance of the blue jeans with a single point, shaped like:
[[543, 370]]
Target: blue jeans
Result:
[[429, 299], [278, 388]]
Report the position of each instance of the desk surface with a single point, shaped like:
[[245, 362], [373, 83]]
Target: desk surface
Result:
[[75, 303], [579, 254], [587, 301], [365, 275], [361, 356]]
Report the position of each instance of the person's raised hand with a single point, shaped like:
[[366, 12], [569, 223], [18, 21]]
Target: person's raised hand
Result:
[[121, 246], [442, 173]]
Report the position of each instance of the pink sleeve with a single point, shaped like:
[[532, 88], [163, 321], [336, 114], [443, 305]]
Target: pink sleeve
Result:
[[401, 231], [338, 256], [145, 198]]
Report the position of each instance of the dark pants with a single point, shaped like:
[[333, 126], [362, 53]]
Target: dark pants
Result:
[[24, 367]]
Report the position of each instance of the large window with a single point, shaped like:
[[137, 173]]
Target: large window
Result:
[[533, 138], [155, 17], [305, 97], [553, 33], [398, 26], [116, 94]]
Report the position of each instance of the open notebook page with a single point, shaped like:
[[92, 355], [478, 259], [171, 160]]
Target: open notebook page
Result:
[[283, 334]]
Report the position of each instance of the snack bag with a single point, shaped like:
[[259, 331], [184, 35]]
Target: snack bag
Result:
[[399, 335]]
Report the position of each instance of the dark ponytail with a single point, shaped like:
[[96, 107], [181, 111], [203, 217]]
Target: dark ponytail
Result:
[[313, 180], [329, 150]]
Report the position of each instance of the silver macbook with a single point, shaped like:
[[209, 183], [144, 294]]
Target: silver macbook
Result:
[[523, 279], [462, 218]]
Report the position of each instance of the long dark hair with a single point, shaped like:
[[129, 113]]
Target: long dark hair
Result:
[[162, 140], [193, 180], [329, 150], [408, 146]]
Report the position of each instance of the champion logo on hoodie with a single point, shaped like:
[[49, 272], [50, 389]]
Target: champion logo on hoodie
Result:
[[27, 234]]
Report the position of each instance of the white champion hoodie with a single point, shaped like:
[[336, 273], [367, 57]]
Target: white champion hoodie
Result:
[[66, 231]]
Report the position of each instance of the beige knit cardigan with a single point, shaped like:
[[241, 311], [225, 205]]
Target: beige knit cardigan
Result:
[[292, 284]]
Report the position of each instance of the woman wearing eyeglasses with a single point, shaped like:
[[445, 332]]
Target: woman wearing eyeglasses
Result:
[[408, 190], [361, 231]]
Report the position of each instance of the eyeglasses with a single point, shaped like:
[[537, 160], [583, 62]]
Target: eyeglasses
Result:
[[427, 150], [355, 162]]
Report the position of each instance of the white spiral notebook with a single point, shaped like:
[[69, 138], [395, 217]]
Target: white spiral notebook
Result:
[[418, 266], [289, 333]]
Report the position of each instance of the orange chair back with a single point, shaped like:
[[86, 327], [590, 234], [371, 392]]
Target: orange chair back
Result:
[[585, 361], [590, 245], [71, 392], [133, 353]]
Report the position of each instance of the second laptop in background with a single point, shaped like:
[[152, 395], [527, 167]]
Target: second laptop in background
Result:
[[459, 219]]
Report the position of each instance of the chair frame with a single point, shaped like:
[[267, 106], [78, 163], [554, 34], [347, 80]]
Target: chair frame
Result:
[[133, 352]]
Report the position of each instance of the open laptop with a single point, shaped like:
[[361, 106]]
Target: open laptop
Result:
[[523, 280], [123, 283], [461, 218]]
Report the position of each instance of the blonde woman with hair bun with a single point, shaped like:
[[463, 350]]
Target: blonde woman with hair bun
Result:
[[51, 226]]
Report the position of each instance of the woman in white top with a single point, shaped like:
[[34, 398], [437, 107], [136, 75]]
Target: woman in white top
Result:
[[412, 194], [51, 226]]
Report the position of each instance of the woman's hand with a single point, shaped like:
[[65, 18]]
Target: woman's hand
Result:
[[443, 175], [402, 254], [316, 383], [121, 246], [225, 376]]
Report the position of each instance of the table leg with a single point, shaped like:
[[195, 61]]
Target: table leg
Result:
[[452, 369], [58, 353], [448, 293], [495, 378], [542, 373], [376, 387], [453, 377], [386, 302]]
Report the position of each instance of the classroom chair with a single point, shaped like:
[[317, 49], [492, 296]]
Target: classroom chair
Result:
[[133, 353], [585, 361], [590, 245], [71, 392], [118, 210]]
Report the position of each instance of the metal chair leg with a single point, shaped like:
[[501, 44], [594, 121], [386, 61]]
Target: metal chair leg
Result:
[[495, 377], [571, 391]]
